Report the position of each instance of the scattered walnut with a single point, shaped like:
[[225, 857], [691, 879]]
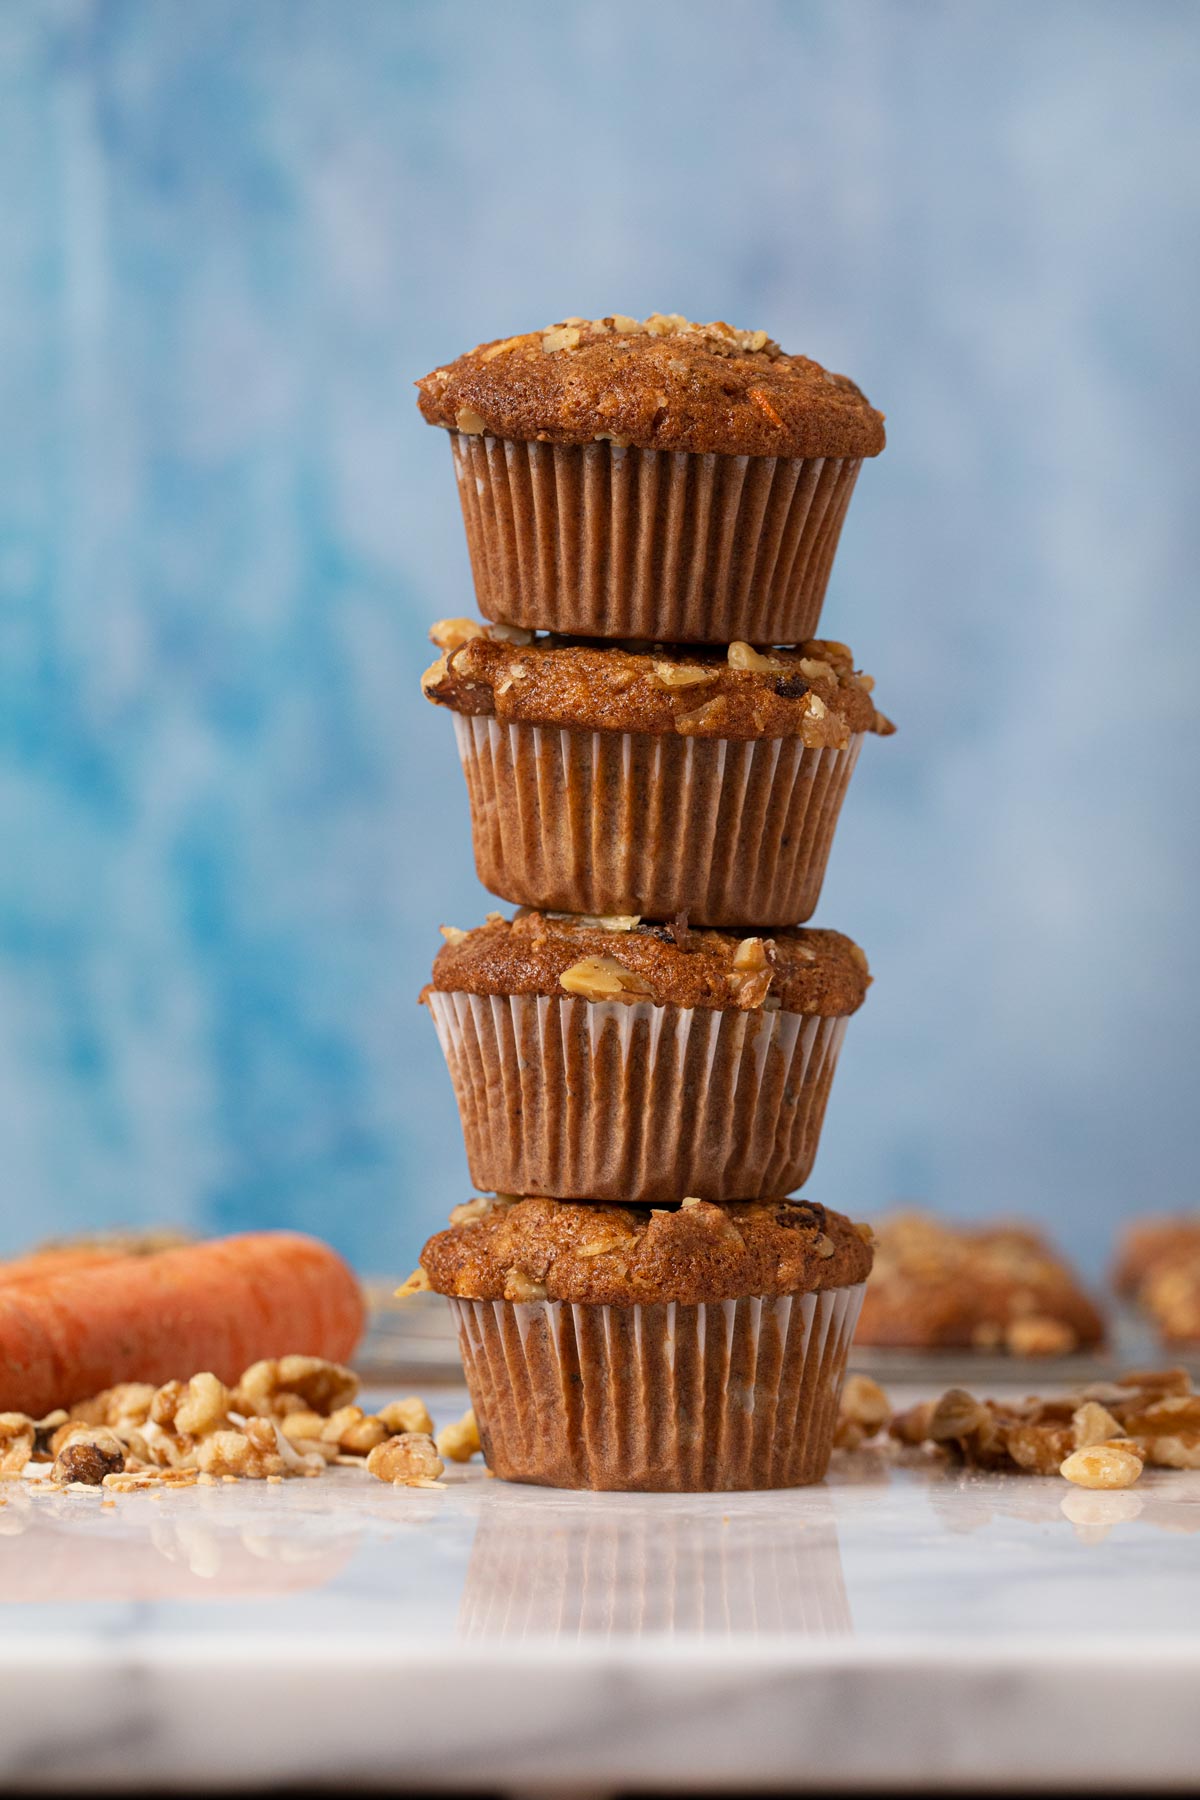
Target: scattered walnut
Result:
[[460, 1442], [956, 1415], [411, 1414], [89, 1454], [252, 1453], [302, 1427], [1091, 1424], [863, 1412], [1038, 1448], [353, 1431], [602, 978], [1103, 1466], [318, 1385], [912, 1426], [410, 1460], [203, 1406], [17, 1434]]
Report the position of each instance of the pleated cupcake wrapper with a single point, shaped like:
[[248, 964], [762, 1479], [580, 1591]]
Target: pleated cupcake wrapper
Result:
[[735, 1394], [674, 548], [627, 1101], [730, 832]]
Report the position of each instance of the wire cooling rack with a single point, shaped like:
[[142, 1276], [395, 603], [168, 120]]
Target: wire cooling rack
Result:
[[414, 1339]]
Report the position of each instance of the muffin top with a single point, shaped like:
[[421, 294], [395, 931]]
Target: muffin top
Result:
[[797, 970], [593, 1255], [810, 691], [999, 1287], [661, 383]]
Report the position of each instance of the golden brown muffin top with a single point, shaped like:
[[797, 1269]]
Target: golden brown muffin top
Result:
[[997, 1287], [810, 691], [593, 1255], [661, 383], [797, 970], [1148, 1245]]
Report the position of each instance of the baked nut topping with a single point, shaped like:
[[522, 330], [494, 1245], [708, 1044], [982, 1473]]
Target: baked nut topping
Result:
[[660, 383], [602, 978], [409, 1460], [811, 691], [800, 970], [591, 1253]]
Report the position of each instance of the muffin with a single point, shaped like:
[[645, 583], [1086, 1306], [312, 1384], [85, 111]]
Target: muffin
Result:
[[652, 781], [687, 1348], [1158, 1267], [997, 1287], [651, 479], [605, 1059]]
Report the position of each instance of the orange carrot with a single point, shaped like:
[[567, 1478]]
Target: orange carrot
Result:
[[40, 1265], [218, 1306]]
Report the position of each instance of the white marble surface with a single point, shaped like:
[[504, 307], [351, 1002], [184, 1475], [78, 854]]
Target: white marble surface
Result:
[[897, 1626]]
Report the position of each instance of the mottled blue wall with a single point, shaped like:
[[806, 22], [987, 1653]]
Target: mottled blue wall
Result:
[[232, 235]]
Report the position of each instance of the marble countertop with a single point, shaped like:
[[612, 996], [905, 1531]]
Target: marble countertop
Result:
[[898, 1626]]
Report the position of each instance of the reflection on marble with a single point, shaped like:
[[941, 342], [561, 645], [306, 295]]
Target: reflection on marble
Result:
[[559, 1567], [605, 1641]]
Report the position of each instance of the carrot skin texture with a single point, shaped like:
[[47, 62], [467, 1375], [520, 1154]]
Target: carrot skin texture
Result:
[[218, 1306]]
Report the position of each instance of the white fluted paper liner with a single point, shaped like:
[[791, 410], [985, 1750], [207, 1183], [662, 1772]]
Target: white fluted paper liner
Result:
[[628, 1101], [599, 541], [730, 832], [734, 1394]]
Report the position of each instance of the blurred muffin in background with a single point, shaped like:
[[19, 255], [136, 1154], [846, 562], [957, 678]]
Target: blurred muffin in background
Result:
[[1158, 1267], [997, 1287]]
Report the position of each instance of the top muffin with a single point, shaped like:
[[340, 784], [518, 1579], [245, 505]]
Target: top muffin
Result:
[[661, 383]]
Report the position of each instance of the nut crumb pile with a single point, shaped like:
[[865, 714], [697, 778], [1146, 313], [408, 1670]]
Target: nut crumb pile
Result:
[[291, 1416], [1100, 1437]]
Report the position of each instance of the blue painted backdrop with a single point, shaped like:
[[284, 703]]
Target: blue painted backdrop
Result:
[[230, 238]]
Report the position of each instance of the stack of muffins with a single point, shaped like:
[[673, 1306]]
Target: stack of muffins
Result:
[[642, 1055]]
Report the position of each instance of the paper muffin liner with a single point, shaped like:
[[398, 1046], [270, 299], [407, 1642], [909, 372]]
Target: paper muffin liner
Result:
[[627, 1101], [601, 541], [603, 822], [661, 1397]]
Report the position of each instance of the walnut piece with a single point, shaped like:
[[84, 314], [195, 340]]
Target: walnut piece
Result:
[[682, 675], [353, 1431], [1103, 1466], [460, 1442], [863, 1412], [17, 1435], [451, 634], [746, 657], [89, 1454], [521, 1287], [602, 978], [1036, 1335], [288, 1383], [409, 1460], [410, 1414]]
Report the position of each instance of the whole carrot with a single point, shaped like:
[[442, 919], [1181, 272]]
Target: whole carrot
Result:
[[218, 1306]]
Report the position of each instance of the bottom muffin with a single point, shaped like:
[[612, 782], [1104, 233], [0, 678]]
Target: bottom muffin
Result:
[[679, 1348]]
